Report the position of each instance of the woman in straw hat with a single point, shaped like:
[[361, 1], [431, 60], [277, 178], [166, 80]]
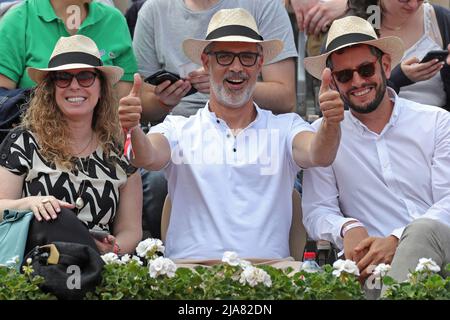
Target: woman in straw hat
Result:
[[66, 156], [30, 30]]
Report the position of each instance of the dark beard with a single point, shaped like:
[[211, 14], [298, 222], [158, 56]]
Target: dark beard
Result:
[[372, 106]]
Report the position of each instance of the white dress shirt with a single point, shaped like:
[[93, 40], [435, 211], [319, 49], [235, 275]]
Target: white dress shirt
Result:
[[383, 180], [230, 193]]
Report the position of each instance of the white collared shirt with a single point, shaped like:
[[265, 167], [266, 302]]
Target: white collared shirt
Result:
[[230, 193], [383, 180]]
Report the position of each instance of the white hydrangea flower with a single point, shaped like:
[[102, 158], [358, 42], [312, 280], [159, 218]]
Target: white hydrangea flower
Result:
[[125, 258], [110, 258], [244, 264], [162, 266], [347, 266], [138, 260], [381, 270], [149, 245], [427, 265], [253, 276], [231, 258]]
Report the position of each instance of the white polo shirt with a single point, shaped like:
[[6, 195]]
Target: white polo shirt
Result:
[[230, 193]]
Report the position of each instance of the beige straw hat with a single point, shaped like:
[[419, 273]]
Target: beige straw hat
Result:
[[350, 31], [236, 25], [75, 52]]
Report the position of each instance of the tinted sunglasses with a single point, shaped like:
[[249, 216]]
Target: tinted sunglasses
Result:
[[63, 79], [365, 70]]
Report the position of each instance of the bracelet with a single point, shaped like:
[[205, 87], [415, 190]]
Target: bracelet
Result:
[[116, 248], [350, 226]]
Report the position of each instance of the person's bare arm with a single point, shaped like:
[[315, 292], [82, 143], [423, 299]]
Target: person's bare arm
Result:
[[128, 219], [276, 91], [43, 207], [7, 82], [151, 152], [319, 149]]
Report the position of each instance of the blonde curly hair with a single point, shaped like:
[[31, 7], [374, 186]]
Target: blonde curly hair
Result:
[[47, 122]]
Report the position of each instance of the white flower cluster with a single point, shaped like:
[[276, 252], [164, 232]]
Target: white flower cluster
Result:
[[149, 247], [381, 270], [250, 274], [231, 258], [253, 276], [347, 266], [112, 258], [162, 266], [427, 265]]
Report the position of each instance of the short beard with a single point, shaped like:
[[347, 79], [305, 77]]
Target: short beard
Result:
[[372, 106], [231, 100]]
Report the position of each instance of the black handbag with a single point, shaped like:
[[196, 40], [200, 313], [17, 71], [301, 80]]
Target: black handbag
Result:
[[70, 269], [13, 103]]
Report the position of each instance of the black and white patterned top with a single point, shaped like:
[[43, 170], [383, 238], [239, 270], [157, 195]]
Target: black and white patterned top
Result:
[[95, 179]]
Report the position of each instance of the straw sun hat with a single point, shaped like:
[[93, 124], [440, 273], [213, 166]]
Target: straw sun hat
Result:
[[350, 31], [235, 25], [75, 52]]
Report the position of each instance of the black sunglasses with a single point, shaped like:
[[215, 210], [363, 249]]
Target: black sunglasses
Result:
[[365, 70], [63, 79], [225, 58]]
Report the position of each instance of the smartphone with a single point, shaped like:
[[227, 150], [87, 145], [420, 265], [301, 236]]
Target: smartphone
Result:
[[441, 55], [163, 75], [99, 234]]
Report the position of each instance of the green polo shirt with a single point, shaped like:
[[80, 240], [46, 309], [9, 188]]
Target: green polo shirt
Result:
[[30, 30]]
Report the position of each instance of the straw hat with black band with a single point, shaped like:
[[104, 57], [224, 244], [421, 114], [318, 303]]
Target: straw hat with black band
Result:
[[350, 31], [75, 52], [232, 25]]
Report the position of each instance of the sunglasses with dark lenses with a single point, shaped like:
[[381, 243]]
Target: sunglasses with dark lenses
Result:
[[366, 70], [64, 79], [225, 58]]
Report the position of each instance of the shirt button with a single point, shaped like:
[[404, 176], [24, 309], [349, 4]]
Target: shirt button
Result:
[[13, 135], [217, 121], [3, 156], [234, 149], [228, 135], [386, 165]]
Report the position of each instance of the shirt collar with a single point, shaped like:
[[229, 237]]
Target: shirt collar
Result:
[[46, 11], [211, 116], [392, 120]]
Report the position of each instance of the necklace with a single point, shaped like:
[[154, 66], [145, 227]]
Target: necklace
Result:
[[88, 144], [79, 202]]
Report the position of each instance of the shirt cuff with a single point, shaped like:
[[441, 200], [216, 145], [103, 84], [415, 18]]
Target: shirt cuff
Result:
[[398, 232]]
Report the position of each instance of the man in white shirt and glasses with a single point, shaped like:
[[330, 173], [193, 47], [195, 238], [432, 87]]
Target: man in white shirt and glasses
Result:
[[231, 166], [392, 166]]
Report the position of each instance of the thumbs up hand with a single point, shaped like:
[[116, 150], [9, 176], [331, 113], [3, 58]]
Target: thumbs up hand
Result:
[[330, 101], [130, 108]]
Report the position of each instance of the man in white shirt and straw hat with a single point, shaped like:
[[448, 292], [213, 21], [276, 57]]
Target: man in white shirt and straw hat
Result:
[[392, 166], [231, 166]]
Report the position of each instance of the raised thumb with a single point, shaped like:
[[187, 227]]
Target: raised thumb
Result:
[[326, 80], [136, 89]]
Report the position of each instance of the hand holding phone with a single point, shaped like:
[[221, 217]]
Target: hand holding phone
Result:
[[441, 55], [163, 75]]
